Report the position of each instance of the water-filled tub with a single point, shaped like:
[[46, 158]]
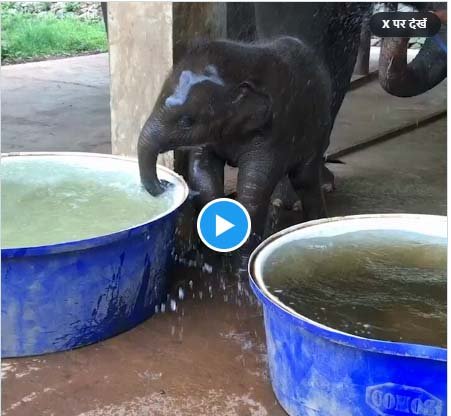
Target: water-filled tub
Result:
[[80, 287], [317, 370]]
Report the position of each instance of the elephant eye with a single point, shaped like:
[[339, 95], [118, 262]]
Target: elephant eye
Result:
[[186, 121]]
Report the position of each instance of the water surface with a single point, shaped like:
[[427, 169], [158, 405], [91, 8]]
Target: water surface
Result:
[[48, 200], [378, 284]]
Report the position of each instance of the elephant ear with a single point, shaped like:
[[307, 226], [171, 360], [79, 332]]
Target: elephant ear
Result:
[[253, 106]]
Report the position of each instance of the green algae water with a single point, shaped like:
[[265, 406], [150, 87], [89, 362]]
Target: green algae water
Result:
[[387, 285], [54, 199]]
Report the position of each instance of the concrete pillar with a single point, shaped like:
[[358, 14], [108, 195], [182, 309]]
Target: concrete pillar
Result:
[[140, 41]]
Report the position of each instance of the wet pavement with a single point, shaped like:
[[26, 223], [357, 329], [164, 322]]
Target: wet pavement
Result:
[[207, 357], [57, 105]]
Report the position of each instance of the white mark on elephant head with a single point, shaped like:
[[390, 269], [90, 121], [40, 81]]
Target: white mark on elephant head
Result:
[[187, 80]]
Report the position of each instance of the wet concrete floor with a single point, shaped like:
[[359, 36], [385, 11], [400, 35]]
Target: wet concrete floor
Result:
[[205, 358], [208, 356]]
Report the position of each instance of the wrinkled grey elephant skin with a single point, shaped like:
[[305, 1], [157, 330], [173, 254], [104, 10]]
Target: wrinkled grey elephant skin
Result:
[[264, 108], [425, 71]]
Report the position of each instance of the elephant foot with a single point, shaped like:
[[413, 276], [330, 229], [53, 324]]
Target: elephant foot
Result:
[[277, 203], [283, 196], [297, 206], [239, 259], [327, 180], [328, 187]]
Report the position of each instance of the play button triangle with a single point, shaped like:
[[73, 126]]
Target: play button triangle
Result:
[[222, 225]]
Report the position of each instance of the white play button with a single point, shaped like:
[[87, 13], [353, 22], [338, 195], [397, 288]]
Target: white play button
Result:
[[222, 225]]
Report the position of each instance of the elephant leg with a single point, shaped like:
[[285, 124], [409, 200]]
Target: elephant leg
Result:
[[362, 65], [306, 181], [342, 44], [258, 174], [205, 176], [286, 197]]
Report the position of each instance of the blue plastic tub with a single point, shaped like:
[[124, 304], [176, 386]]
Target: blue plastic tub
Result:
[[318, 371], [63, 296]]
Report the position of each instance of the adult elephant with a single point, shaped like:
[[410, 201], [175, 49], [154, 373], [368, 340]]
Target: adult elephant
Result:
[[424, 72], [331, 29]]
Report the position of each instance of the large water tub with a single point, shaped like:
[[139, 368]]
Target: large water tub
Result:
[[59, 295], [317, 370]]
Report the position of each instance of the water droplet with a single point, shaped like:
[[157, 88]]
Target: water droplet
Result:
[[181, 293]]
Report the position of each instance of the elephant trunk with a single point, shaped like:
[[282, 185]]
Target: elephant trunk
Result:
[[149, 147], [399, 78]]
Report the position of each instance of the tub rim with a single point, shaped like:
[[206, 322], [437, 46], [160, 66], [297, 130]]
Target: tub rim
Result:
[[340, 337], [104, 239]]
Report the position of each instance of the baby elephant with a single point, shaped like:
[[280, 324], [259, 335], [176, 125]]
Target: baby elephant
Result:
[[264, 108]]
